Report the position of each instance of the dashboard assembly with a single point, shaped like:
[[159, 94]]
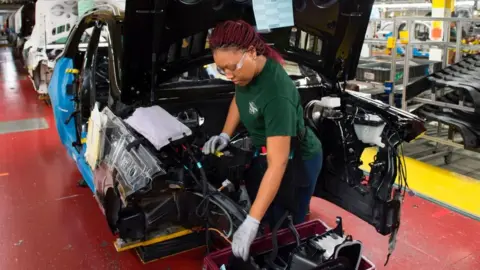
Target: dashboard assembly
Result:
[[144, 187]]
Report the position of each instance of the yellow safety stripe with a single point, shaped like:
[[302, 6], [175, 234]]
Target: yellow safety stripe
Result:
[[153, 240], [449, 188]]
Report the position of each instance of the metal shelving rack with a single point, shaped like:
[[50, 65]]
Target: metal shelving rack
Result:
[[445, 45]]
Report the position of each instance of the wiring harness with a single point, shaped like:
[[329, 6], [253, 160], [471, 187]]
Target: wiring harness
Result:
[[195, 169]]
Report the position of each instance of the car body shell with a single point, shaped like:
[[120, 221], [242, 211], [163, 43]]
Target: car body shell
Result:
[[135, 80]]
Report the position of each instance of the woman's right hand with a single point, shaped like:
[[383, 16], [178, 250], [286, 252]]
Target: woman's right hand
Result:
[[216, 143], [220, 142]]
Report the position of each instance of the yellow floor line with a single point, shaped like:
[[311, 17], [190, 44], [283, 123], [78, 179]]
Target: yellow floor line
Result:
[[449, 188]]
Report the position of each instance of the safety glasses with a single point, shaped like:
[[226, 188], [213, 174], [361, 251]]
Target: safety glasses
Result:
[[238, 66]]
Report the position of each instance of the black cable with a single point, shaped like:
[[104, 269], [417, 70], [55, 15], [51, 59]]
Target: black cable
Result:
[[398, 163], [274, 253], [401, 164], [293, 230], [404, 166], [202, 209], [347, 174], [204, 193], [402, 185], [204, 184]]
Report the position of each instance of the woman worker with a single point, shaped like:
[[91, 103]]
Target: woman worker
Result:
[[269, 106]]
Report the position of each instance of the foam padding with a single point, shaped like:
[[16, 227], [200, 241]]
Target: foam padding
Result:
[[453, 190]]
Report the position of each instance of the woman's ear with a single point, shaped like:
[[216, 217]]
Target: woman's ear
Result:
[[252, 51]]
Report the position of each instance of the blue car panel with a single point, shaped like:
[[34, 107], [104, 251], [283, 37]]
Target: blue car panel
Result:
[[63, 106]]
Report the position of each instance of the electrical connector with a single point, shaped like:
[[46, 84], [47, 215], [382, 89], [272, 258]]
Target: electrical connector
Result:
[[227, 184]]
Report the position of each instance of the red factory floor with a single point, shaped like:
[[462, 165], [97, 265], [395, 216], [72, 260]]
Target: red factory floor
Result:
[[47, 222]]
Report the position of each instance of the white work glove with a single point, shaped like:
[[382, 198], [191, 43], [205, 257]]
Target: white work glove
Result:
[[216, 143], [243, 238]]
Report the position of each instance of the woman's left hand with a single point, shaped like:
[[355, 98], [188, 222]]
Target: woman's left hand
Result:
[[244, 236]]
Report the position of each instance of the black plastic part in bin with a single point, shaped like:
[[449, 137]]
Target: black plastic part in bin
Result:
[[380, 71], [263, 245], [424, 68]]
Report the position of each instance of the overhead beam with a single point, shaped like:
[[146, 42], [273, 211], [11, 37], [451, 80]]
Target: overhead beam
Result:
[[10, 7]]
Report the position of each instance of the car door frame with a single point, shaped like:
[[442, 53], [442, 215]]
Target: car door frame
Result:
[[62, 93], [114, 44]]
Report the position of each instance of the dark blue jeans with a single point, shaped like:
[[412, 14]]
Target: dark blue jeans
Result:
[[313, 167]]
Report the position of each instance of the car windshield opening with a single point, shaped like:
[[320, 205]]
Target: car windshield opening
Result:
[[182, 51]]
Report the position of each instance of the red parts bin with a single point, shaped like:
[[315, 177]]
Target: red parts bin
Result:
[[216, 259]]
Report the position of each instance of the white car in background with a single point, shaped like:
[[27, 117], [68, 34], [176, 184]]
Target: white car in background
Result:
[[54, 20]]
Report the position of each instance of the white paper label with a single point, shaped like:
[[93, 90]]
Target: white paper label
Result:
[[369, 76], [270, 14]]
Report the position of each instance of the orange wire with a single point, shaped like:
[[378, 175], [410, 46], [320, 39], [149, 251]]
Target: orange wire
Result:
[[221, 234]]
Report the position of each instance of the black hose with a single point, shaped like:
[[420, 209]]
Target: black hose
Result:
[[274, 253], [293, 230]]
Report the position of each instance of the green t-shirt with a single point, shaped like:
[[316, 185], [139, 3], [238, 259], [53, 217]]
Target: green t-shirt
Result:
[[270, 105]]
